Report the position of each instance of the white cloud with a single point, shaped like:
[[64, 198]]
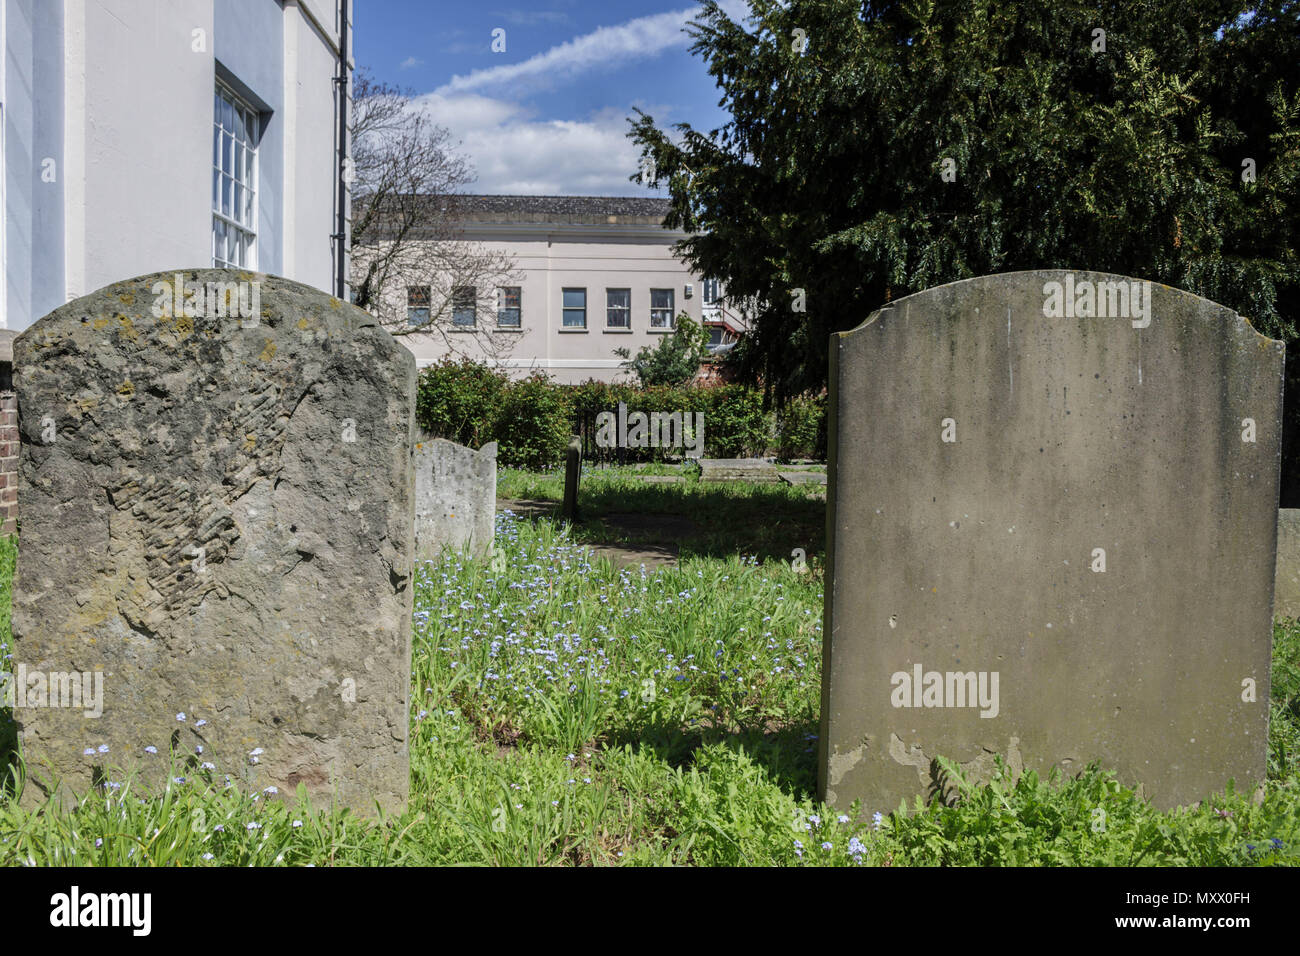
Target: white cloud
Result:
[[409, 62], [603, 47], [514, 153]]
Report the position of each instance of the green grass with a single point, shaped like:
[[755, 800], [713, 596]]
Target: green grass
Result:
[[767, 521], [564, 712]]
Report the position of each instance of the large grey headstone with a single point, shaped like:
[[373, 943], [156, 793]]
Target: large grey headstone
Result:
[[217, 517], [1286, 600], [986, 458], [455, 498]]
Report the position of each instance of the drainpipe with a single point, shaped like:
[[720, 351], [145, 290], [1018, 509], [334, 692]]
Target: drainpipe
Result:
[[340, 236]]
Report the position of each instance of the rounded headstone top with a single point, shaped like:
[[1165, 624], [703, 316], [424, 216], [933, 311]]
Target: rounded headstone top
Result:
[[1066, 294]]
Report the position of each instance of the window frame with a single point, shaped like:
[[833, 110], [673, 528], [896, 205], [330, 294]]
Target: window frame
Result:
[[518, 307], [426, 308], [244, 173], [460, 295], [565, 309], [671, 310], [625, 309]]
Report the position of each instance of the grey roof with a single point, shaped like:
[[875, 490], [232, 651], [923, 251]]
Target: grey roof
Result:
[[438, 216], [638, 210]]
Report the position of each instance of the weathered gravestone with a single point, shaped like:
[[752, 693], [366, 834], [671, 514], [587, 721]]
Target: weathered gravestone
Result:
[[1050, 537], [1286, 600], [217, 524], [455, 498]]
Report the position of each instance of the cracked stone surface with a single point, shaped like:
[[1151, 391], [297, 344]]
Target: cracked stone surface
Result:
[[218, 515], [1098, 533]]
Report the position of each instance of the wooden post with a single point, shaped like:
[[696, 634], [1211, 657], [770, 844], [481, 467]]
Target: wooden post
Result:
[[572, 468]]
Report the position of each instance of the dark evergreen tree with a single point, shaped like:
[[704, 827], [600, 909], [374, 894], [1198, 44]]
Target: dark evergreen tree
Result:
[[1166, 148]]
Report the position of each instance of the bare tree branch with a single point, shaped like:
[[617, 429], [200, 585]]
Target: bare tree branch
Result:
[[406, 227]]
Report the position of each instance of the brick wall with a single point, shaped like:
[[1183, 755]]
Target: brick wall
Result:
[[8, 438]]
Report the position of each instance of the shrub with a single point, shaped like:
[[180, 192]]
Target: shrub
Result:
[[459, 401], [735, 426], [533, 423], [674, 359], [800, 428]]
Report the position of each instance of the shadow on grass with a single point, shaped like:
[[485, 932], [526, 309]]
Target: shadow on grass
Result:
[[691, 519], [9, 770], [787, 753]]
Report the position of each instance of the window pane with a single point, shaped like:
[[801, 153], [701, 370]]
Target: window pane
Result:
[[238, 214], [575, 298], [225, 195], [463, 305], [227, 162], [618, 298], [218, 240], [248, 209], [575, 318], [508, 311], [417, 296], [661, 298], [216, 188], [249, 259], [227, 114]]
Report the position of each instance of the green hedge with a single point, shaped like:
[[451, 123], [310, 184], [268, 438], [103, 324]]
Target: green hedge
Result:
[[532, 419]]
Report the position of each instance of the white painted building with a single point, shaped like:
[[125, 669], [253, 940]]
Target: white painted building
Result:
[[146, 135], [591, 274]]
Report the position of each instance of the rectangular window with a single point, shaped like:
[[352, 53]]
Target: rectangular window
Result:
[[417, 305], [575, 308], [709, 291], [508, 313], [464, 306], [661, 308], [236, 129], [618, 309]]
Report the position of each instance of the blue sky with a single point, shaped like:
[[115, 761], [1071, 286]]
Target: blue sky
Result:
[[548, 115]]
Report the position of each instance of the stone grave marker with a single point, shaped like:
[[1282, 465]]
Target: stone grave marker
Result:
[[1286, 601], [455, 498], [802, 477], [737, 469], [216, 540], [1050, 536]]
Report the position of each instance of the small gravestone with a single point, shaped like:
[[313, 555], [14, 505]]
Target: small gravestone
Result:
[[455, 498], [1053, 501], [737, 469], [663, 479], [217, 533], [1286, 600], [572, 472], [802, 477]]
